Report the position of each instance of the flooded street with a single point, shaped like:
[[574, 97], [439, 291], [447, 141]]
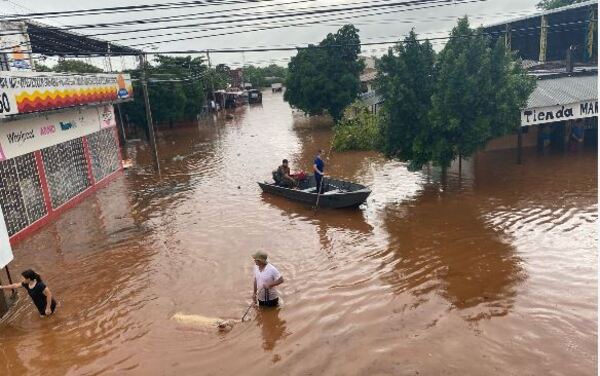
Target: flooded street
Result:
[[493, 271]]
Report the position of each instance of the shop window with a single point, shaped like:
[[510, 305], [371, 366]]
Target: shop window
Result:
[[21, 194], [66, 171], [104, 153]]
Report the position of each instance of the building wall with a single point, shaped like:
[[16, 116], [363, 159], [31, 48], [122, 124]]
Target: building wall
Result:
[[35, 187], [509, 141]]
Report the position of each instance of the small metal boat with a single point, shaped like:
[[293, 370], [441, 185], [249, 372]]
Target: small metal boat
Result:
[[336, 193]]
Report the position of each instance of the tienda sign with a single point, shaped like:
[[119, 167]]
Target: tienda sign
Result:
[[541, 115], [27, 92]]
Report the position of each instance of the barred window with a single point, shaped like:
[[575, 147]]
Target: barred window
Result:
[[66, 170], [104, 153], [21, 194]]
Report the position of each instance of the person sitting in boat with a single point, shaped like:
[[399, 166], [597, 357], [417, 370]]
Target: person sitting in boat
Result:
[[283, 176]]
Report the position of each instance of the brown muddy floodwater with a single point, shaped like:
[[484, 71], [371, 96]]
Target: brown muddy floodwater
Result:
[[493, 272]]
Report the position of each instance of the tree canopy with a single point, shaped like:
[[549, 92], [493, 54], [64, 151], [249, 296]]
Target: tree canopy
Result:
[[177, 88], [438, 108], [264, 76], [553, 4], [478, 94], [406, 82], [72, 66], [326, 77]]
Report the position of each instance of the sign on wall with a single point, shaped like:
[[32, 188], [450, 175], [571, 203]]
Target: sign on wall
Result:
[[27, 135], [6, 254], [27, 92], [541, 115], [14, 42]]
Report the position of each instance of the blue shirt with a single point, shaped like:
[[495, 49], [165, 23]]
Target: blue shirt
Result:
[[320, 164]]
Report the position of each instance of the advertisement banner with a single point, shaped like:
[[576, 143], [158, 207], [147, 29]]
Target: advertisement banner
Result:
[[6, 254], [26, 135], [541, 115], [27, 92]]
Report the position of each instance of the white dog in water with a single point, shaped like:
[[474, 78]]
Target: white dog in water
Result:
[[204, 322]]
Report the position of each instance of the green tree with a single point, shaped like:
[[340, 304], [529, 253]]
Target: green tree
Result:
[[478, 95], [76, 66], [553, 4], [406, 81], [71, 66], [39, 67], [177, 87], [358, 129], [326, 77]]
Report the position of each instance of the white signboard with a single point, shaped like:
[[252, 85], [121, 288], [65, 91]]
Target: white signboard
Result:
[[27, 135], [6, 254], [541, 115], [27, 92]]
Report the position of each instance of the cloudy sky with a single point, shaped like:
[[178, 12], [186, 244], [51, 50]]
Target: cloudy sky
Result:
[[212, 31]]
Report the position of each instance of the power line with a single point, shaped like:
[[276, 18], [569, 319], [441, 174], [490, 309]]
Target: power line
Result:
[[349, 17], [129, 8], [365, 6]]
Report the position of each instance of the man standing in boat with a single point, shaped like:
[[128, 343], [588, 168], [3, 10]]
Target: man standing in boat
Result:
[[319, 169]]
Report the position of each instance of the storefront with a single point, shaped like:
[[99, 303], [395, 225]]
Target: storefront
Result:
[[58, 143], [562, 108]]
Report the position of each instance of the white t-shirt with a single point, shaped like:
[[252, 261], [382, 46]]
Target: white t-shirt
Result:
[[268, 275]]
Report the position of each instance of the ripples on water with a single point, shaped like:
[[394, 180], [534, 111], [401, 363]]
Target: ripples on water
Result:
[[492, 271]]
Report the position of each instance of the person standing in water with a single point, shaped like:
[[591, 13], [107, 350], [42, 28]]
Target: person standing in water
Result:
[[37, 290], [266, 278], [319, 170]]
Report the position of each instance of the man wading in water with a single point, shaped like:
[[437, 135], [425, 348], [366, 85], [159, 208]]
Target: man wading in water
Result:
[[266, 278]]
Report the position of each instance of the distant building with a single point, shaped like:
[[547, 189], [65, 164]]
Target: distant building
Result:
[[368, 95], [236, 77]]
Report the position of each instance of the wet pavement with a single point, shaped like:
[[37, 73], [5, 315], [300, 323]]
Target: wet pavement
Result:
[[491, 271]]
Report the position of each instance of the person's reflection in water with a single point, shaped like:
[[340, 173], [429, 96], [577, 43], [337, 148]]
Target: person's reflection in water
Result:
[[273, 328]]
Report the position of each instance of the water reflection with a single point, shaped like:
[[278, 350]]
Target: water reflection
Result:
[[273, 328], [440, 243]]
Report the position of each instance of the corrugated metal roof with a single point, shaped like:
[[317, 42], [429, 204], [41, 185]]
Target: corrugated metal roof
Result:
[[542, 13], [563, 90]]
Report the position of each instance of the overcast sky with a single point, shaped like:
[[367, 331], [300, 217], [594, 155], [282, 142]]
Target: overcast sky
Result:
[[431, 22]]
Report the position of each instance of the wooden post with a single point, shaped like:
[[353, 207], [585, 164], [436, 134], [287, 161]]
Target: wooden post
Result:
[[148, 111], [543, 39], [519, 143]]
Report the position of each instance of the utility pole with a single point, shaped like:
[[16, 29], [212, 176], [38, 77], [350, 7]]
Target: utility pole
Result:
[[212, 81], [148, 112], [110, 69]]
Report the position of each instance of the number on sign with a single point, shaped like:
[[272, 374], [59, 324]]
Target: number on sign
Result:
[[4, 103]]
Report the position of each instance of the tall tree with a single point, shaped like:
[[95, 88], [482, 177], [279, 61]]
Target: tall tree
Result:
[[553, 4], [326, 77], [406, 82], [478, 95]]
